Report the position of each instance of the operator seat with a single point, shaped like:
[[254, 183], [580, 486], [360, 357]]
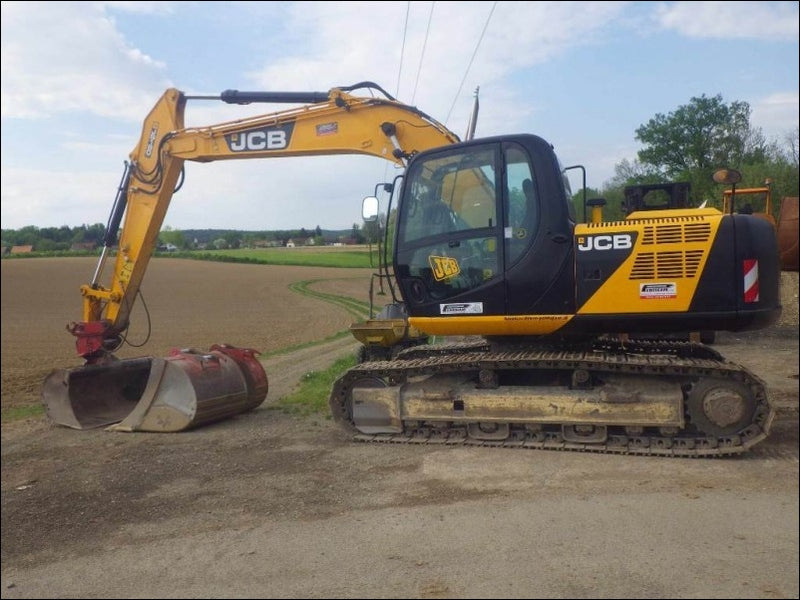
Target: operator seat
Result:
[[439, 218], [530, 193], [521, 219], [520, 213]]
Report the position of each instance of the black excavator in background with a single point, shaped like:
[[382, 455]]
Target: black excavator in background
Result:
[[486, 250]]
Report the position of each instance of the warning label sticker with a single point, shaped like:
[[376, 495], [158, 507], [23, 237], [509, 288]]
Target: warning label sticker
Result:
[[648, 291]]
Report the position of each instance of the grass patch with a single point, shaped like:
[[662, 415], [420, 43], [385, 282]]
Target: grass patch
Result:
[[17, 413], [290, 349], [311, 396], [357, 308], [307, 257]]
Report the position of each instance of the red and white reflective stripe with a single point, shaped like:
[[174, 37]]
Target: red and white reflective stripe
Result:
[[750, 280]]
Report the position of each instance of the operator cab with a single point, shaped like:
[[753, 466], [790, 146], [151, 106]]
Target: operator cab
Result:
[[485, 228]]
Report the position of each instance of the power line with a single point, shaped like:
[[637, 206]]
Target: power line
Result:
[[470, 61], [399, 73], [402, 51], [422, 56]]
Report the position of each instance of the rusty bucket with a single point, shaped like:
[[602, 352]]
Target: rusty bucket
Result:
[[187, 389], [788, 234]]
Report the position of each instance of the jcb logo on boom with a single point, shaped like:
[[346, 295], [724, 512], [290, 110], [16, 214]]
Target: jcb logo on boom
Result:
[[273, 138], [617, 241]]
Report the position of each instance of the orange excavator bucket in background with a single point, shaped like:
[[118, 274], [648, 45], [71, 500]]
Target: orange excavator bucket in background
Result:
[[187, 389], [788, 233]]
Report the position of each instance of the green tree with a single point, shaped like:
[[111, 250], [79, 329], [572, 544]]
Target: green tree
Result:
[[248, 240], [94, 233], [612, 211], [233, 239], [357, 234], [690, 143], [46, 244], [174, 237]]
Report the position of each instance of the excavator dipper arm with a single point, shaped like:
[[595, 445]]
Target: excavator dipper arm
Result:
[[335, 122], [191, 387]]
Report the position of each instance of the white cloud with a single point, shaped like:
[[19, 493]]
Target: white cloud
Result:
[[776, 114], [276, 193], [518, 35], [68, 56], [51, 198], [146, 8], [769, 21]]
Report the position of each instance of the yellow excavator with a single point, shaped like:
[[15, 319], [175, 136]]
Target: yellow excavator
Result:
[[488, 254]]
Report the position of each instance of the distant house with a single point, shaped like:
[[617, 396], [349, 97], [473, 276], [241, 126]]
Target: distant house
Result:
[[290, 243], [21, 249], [266, 244]]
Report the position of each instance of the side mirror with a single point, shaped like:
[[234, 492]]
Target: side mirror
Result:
[[727, 176], [369, 209]]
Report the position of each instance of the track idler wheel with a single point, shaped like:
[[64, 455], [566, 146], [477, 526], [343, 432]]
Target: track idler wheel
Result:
[[719, 407]]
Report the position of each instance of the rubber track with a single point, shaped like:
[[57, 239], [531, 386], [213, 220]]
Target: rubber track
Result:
[[647, 358]]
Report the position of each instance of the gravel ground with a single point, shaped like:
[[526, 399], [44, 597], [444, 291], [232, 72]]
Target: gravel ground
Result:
[[270, 505]]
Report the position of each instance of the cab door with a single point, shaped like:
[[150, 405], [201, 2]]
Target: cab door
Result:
[[448, 250], [469, 223]]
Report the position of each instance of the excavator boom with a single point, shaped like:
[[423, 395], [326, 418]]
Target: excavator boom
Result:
[[224, 380], [337, 123]]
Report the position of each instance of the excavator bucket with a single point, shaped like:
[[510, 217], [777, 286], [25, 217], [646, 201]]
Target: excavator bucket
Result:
[[187, 389], [788, 234]]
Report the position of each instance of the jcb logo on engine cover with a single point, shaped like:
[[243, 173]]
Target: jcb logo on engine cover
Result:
[[616, 241], [264, 138]]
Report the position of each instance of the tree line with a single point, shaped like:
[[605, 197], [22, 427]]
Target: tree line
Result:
[[87, 237]]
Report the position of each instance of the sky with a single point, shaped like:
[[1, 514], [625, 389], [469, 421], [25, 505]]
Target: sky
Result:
[[78, 79]]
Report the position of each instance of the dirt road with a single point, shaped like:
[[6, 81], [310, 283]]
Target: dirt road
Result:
[[270, 505]]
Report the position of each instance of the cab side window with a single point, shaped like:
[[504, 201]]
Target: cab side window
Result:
[[522, 209]]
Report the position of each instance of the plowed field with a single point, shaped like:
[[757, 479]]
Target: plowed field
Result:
[[189, 304]]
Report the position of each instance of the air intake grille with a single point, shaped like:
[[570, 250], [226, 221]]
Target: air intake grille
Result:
[[669, 234], [676, 233], [675, 264]]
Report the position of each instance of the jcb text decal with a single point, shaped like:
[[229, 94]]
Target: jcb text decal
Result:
[[443, 267], [616, 241], [263, 138]]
